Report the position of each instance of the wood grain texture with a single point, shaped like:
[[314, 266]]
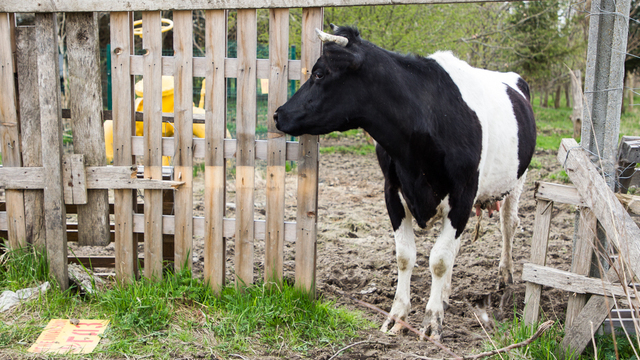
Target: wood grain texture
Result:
[[581, 260], [245, 132], [276, 145], [230, 148], [183, 136], [230, 67], [9, 133], [307, 211], [618, 224], [51, 133], [74, 182], [152, 44], [539, 242], [85, 103], [126, 245], [152, 5], [568, 281], [29, 105], [563, 194], [215, 129]]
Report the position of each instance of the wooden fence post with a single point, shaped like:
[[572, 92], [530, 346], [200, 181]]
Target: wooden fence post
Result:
[[215, 128], [85, 87], [9, 134], [30, 130], [183, 137], [277, 144], [246, 134], [126, 245], [307, 213], [152, 43], [51, 132]]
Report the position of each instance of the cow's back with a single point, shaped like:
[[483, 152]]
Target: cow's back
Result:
[[486, 92]]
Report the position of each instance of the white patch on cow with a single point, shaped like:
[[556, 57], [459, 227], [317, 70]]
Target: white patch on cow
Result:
[[485, 92], [406, 258], [441, 259]]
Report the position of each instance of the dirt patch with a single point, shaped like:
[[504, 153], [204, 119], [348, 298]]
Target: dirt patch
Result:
[[356, 255]]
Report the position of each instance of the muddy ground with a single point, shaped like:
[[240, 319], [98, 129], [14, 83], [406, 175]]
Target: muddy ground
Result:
[[356, 255]]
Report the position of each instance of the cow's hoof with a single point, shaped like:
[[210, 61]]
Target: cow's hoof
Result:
[[395, 330], [431, 326], [505, 280]]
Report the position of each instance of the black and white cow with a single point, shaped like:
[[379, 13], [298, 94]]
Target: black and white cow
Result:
[[449, 136]]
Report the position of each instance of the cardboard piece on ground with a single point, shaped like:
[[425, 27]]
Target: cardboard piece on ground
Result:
[[63, 337]]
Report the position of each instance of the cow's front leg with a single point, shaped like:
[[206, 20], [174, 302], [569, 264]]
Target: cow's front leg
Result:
[[441, 261], [406, 258]]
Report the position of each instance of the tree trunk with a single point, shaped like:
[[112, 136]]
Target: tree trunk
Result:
[[545, 98], [567, 93], [576, 91], [556, 102]]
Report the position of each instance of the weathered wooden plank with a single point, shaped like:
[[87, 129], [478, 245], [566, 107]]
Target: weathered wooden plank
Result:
[[126, 245], [631, 203], [229, 226], [30, 130], [307, 211], [276, 145], [230, 67], [215, 130], [51, 133], [563, 194], [74, 182], [183, 136], [581, 260], [629, 150], [152, 5], [539, 242], [620, 227], [230, 148], [9, 134], [245, 130], [152, 44], [85, 103], [569, 281], [22, 178]]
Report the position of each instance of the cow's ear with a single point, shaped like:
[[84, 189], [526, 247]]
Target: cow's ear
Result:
[[339, 58]]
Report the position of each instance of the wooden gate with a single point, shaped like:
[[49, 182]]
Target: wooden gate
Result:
[[39, 179]]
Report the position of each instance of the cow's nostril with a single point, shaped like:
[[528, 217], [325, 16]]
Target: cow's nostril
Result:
[[275, 116]]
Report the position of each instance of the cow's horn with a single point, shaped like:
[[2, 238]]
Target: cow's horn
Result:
[[340, 40]]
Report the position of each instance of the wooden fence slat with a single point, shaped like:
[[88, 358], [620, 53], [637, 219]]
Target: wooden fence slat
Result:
[[581, 260], [152, 44], [307, 212], [246, 128], [153, 5], [126, 245], [183, 136], [215, 129], [51, 133], [30, 130], [539, 242], [276, 145], [569, 281], [74, 182], [9, 134], [85, 103]]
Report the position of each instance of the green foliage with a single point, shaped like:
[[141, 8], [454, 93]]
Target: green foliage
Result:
[[22, 268], [610, 350]]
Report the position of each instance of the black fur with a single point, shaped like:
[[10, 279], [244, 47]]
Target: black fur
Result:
[[429, 139], [526, 128]]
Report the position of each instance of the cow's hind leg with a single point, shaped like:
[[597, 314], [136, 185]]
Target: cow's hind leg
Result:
[[509, 222], [441, 261], [406, 258]]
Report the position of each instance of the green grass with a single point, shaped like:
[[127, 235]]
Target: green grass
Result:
[[178, 315]]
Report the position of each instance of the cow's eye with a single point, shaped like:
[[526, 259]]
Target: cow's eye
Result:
[[318, 75]]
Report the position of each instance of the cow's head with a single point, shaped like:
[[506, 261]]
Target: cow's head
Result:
[[330, 99]]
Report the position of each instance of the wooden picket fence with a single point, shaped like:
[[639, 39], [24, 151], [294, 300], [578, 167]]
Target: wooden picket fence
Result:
[[42, 183]]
